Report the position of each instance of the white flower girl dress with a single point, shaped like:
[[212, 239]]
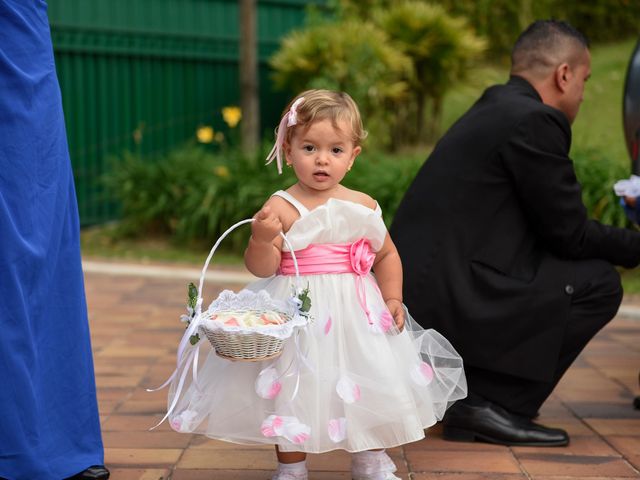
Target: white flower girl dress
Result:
[[349, 380]]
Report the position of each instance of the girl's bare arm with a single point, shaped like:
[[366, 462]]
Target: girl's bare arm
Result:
[[262, 256], [388, 270]]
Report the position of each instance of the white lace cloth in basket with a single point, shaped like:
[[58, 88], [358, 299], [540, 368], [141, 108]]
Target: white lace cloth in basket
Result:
[[261, 301]]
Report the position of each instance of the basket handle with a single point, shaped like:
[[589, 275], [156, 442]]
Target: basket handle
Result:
[[215, 246]]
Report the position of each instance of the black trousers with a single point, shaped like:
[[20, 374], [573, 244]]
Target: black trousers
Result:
[[595, 301]]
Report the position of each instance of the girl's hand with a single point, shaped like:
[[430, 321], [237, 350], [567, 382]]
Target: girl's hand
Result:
[[266, 226], [397, 310]]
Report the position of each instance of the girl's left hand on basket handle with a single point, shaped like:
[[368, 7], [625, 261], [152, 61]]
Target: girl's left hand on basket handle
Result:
[[266, 226]]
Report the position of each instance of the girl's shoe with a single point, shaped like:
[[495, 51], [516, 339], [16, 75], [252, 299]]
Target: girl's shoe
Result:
[[290, 476], [377, 476], [372, 465]]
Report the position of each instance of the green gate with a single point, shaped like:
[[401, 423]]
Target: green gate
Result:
[[143, 75]]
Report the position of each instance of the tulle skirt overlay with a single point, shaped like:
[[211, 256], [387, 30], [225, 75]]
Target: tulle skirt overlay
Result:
[[347, 381]]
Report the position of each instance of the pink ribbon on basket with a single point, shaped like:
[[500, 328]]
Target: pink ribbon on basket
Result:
[[357, 257]]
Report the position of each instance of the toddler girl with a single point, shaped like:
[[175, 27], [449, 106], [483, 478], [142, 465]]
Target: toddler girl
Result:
[[370, 378]]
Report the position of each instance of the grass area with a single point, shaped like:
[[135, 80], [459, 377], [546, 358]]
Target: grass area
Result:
[[599, 125], [103, 243]]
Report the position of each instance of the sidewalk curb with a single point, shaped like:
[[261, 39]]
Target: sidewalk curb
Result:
[[222, 276], [629, 311]]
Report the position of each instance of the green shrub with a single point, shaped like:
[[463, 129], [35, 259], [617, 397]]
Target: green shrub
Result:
[[501, 21], [396, 62], [194, 195], [385, 177], [442, 49], [597, 172], [351, 56], [191, 194]]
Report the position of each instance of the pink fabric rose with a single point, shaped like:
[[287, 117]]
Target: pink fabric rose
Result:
[[361, 256]]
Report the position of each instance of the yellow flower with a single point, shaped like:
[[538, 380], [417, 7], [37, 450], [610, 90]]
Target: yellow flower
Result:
[[231, 115], [205, 134], [219, 137], [221, 171]]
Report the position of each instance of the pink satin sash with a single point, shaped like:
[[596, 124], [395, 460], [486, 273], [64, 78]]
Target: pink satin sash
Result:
[[356, 257]]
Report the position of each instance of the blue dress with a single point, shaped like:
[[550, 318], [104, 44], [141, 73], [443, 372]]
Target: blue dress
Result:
[[49, 424]]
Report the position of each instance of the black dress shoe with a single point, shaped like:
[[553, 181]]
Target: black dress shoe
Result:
[[636, 403], [95, 472], [487, 422]]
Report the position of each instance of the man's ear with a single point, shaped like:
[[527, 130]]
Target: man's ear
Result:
[[562, 76]]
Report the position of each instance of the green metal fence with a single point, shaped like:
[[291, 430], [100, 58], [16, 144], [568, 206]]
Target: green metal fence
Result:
[[142, 75]]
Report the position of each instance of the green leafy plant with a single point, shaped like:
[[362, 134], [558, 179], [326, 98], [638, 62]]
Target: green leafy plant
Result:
[[597, 172], [395, 59], [351, 56], [192, 301], [442, 48], [305, 301], [193, 195]]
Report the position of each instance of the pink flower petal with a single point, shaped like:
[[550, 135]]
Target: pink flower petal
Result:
[[386, 321], [426, 371], [272, 426], [267, 384], [337, 429], [327, 326], [300, 438], [295, 432], [422, 374], [348, 390], [274, 390]]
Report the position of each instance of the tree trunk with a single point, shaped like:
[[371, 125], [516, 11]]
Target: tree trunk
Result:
[[250, 124], [420, 110], [436, 120]]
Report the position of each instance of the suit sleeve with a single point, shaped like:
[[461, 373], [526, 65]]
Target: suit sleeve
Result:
[[536, 158]]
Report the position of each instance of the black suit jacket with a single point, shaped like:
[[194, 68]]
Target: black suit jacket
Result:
[[490, 227]]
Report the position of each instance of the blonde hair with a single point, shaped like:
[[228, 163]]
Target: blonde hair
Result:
[[326, 104]]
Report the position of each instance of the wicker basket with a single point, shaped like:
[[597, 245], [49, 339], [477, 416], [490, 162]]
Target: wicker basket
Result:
[[243, 346], [250, 347]]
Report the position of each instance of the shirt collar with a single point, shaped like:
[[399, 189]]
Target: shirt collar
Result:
[[523, 86]]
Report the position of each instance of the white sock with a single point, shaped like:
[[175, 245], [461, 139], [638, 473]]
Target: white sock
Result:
[[372, 464], [298, 468]]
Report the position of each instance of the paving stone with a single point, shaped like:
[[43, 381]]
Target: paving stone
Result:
[[153, 439], [611, 409], [497, 461], [210, 474], [581, 466], [133, 423], [139, 474], [467, 476], [579, 445], [239, 459], [606, 426], [142, 457]]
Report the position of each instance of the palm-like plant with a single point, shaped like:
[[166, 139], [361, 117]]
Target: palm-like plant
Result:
[[352, 56], [441, 48]]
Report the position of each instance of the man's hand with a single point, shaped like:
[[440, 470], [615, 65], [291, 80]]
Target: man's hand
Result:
[[630, 201]]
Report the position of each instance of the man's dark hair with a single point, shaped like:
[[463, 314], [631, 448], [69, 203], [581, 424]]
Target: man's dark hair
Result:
[[541, 42]]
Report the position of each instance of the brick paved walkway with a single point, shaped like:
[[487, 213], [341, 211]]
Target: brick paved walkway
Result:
[[135, 329]]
